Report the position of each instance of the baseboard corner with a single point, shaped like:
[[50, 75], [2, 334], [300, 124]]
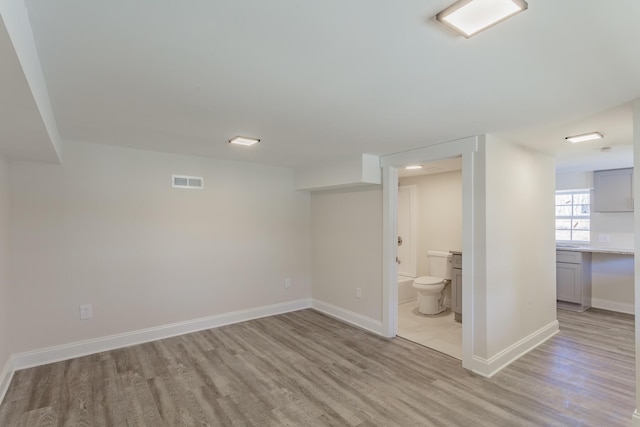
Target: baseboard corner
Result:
[[491, 366], [5, 377], [348, 316]]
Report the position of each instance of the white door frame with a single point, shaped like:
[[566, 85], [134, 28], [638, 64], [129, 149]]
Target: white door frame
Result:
[[467, 148]]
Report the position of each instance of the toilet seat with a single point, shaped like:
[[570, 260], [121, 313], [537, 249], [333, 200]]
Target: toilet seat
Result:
[[428, 281]]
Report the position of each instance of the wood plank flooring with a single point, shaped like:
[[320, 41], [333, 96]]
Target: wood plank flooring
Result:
[[306, 369]]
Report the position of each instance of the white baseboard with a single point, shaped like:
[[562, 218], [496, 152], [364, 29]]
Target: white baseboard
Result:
[[635, 419], [489, 367], [348, 316], [5, 378], [620, 307], [83, 348]]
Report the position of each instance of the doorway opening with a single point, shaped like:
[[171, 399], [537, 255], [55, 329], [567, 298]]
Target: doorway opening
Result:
[[429, 224], [467, 149]]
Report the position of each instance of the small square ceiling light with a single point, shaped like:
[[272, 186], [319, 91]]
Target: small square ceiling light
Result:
[[469, 17], [413, 167], [242, 140], [584, 137]]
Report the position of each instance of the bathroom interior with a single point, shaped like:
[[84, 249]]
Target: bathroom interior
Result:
[[429, 258]]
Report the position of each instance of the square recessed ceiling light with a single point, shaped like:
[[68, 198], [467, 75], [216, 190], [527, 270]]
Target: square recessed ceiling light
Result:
[[413, 167], [241, 140], [469, 17], [584, 137]]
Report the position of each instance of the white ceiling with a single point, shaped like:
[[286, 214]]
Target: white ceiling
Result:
[[320, 80]]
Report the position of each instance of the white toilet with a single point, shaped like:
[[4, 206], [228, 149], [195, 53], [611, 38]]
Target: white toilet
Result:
[[431, 288]]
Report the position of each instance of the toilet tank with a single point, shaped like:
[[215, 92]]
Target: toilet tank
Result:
[[439, 264]]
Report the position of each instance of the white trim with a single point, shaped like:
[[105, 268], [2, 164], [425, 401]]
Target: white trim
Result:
[[348, 316], [489, 367], [389, 250], [635, 419], [620, 307], [83, 348], [5, 377]]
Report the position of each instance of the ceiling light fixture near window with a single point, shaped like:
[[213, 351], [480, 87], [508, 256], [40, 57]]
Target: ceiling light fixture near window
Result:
[[243, 140], [469, 17], [413, 167], [584, 137]]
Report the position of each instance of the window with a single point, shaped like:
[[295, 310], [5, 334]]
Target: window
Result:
[[573, 216]]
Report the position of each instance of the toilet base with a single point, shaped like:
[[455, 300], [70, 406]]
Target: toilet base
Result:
[[430, 304]]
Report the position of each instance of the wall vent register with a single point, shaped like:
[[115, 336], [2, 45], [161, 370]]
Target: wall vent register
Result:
[[183, 181]]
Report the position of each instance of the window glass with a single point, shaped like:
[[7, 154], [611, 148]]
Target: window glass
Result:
[[573, 213]]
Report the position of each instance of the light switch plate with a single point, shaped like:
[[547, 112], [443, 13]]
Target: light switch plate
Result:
[[604, 238]]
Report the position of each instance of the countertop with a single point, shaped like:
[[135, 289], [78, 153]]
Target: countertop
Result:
[[576, 248]]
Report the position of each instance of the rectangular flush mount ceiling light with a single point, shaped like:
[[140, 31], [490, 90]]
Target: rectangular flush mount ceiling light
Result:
[[241, 140], [584, 137], [469, 17]]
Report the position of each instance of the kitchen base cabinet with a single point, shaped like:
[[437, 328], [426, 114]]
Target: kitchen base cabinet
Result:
[[573, 280]]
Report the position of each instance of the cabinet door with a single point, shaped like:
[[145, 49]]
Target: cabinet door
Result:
[[569, 282], [456, 291], [613, 190]]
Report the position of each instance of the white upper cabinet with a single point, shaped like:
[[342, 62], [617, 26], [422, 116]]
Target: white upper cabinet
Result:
[[613, 190]]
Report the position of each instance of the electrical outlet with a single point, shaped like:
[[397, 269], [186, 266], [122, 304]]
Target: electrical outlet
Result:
[[358, 293], [86, 311], [604, 238], [287, 283]]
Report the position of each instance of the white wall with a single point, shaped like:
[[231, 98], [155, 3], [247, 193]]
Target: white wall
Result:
[[574, 180], [439, 214], [107, 229], [347, 249], [5, 349], [520, 243]]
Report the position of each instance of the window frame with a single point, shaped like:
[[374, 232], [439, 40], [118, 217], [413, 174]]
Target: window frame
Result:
[[573, 217]]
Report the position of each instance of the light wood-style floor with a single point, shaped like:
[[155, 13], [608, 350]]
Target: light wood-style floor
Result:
[[306, 369]]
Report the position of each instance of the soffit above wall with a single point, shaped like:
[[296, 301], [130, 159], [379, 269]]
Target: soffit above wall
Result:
[[23, 133]]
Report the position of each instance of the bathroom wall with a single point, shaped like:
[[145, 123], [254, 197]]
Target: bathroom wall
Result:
[[612, 276], [439, 214], [5, 351], [346, 251], [107, 229]]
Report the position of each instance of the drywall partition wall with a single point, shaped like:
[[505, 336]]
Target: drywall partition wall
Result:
[[5, 351], [108, 229], [347, 254], [520, 246], [439, 214]]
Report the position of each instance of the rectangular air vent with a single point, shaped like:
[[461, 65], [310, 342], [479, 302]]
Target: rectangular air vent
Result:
[[183, 181]]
